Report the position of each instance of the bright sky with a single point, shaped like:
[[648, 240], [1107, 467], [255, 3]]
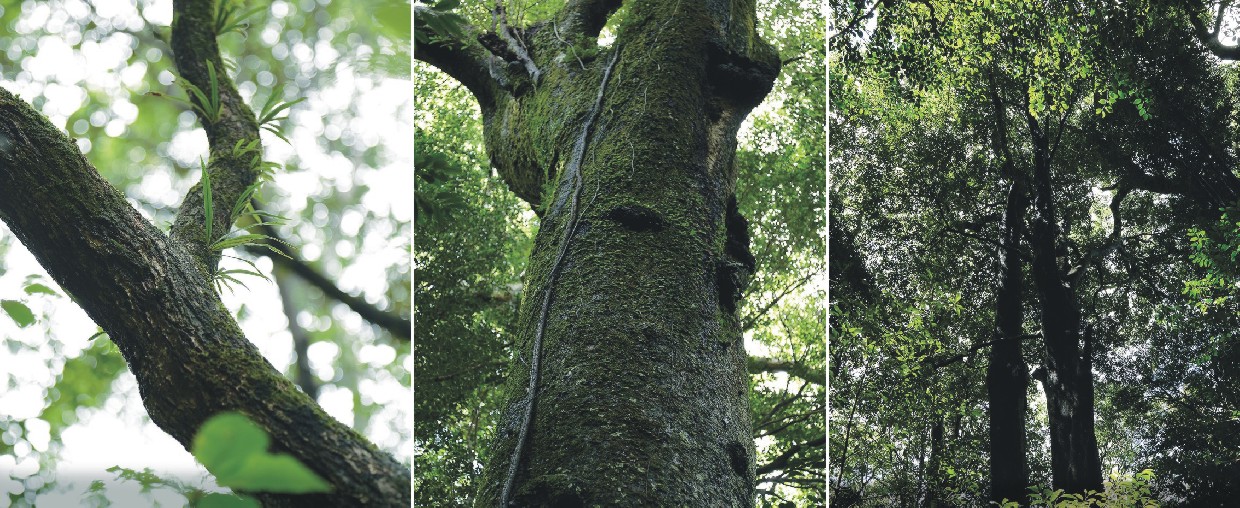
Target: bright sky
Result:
[[119, 433]]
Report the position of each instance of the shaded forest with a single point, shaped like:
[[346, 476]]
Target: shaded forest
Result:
[[1033, 253]]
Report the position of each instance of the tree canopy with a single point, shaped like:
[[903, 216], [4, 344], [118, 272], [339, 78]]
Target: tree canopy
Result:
[[1071, 167]]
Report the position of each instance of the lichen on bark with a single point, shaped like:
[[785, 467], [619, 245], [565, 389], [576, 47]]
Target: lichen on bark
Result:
[[642, 397]]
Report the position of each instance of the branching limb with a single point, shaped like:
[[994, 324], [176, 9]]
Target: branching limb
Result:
[[400, 327], [938, 362], [1211, 38], [586, 17], [158, 305], [301, 340], [516, 47], [463, 58], [760, 364], [782, 461], [229, 124]]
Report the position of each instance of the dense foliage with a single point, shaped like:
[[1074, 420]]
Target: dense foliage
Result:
[[931, 102]]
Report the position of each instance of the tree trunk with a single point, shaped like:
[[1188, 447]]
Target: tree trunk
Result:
[[1007, 375], [1075, 464], [630, 388], [934, 476]]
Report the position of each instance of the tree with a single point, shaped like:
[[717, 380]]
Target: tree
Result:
[[1121, 143], [630, 384], [155, 293]]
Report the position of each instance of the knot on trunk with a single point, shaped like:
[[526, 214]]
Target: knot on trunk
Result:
[[735, 270], [636, 218], [740, 79]]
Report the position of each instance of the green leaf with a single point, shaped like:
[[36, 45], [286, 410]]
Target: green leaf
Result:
[[217, 500], [226, 243], [234, 449], [396, 18], [277, 473], [447, 5], [40, 288], [226, 441], [20, 313], [206, 200]]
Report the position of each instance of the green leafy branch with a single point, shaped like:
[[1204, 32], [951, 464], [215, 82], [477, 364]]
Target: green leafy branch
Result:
[[444, 25], [233, 449], [1121, 490], [207, 103], [17, 310], [1216, 252], [231, 17], [269, 115], [243, 207]]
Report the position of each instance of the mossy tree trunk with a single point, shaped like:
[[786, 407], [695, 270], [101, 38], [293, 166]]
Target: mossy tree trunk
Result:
[[153, 292], [630, 386]]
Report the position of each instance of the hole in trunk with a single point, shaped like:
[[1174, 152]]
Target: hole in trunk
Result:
[[636, 218]]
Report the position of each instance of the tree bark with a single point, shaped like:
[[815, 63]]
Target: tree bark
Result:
[[157, 303], [1075, 464], [1007, 375], [630, 388]]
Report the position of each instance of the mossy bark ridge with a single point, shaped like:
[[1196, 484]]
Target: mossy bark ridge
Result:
[[153, 294], [641, 392]]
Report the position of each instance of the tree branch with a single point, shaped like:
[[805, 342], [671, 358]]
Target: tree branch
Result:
[[464, 59], [753, 318], [587, 17], [399, 326], [945, 361], [1210, 39], [152, 297], [760, 364], [1025, 256], [197, 57], [857, 20], [784, 459]]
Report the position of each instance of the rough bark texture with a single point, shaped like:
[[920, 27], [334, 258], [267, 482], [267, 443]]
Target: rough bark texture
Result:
[[193, 46], [155, 300], [1075, 464], [642, 392], [1007, 375]]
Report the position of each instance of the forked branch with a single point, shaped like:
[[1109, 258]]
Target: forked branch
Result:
[[586, 17], [459, 55]]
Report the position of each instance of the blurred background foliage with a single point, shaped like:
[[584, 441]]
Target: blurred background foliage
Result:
[[473, 237], [69, 407]]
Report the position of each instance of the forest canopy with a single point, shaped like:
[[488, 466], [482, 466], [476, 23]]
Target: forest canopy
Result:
[[1033, 253]]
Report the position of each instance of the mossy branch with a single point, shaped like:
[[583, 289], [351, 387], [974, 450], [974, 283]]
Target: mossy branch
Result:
[[587, 17], [229, 123], [458, 54], [187, 353]]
